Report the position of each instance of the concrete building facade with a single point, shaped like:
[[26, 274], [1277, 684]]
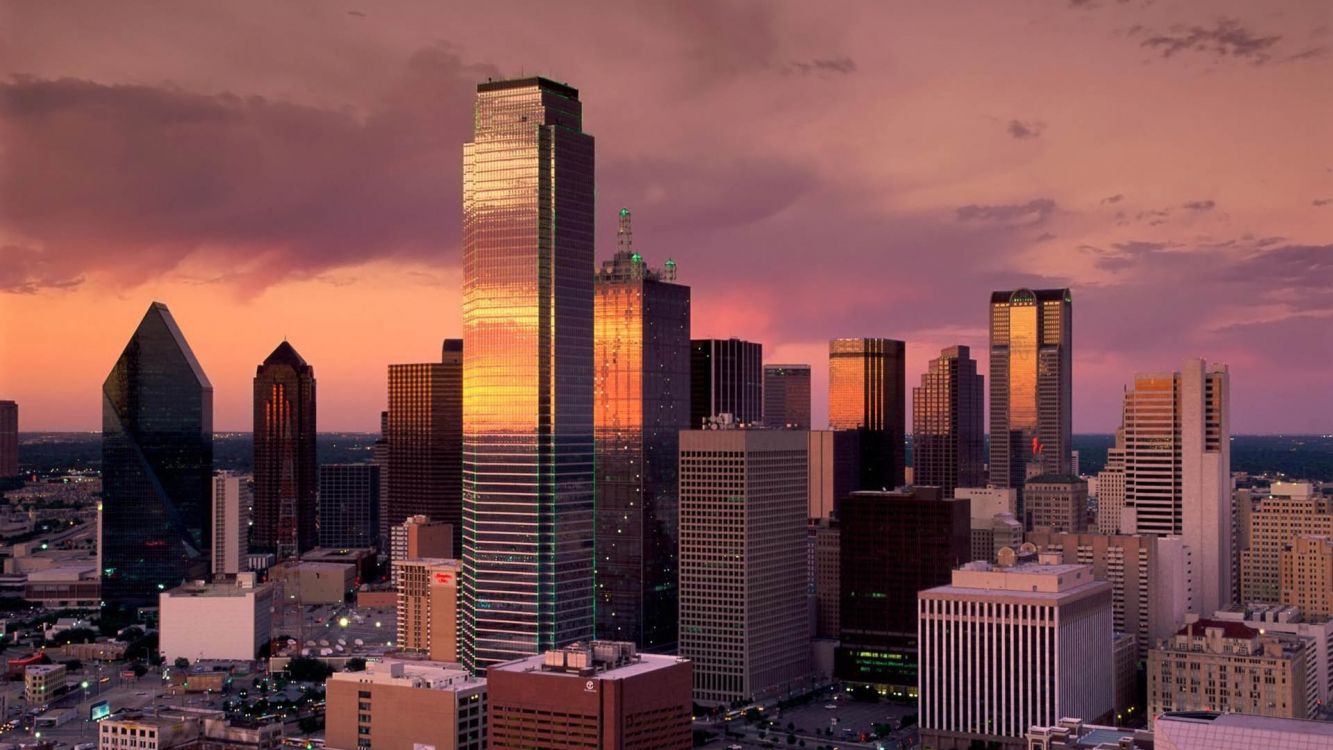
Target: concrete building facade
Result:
[[226, 620], [402, 705], [428, 607]]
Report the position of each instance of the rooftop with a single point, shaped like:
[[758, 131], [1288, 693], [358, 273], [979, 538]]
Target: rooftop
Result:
[[563, 89], [631, 664], [1229, 628], [1249, 722], [1055, 479]]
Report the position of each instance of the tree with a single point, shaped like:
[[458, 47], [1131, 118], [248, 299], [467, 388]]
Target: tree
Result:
[[311, 724], [356, 664], [306, 669], [139, 669], [181, 663]]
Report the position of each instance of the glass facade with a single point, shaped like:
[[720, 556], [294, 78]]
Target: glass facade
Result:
[[642, 402], [726, 377], [787, 397], [423, 436], [948, 438], [349, 499], [285, 504], [1030, 384], [157, 465], [867, 391], [527, 373]]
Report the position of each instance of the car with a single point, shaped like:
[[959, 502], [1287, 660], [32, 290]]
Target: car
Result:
[[734, 746], [830, 706]]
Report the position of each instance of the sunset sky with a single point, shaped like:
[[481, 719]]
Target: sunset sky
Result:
[[817, 169]]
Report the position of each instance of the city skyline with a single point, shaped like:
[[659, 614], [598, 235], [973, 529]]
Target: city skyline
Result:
[[1209, 239]]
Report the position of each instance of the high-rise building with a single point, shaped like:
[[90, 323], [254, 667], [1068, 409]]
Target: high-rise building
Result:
[[1031, 384], [1267, 525], [642, 402], [9, 439], [157, 465], [1148, 576], [867, 391], [349, 505], [379, 455], [528, 512], [595, 696], [743, 562], [285, 479], [835, 469], [425, 440], [726, 377], [948, 424], [402, 705], [1058, 502], [1306, 576], [1223, 665], [1111, 488], [419, 536], [892, 545], [428, 607], [1007, 648], [1276, 618], [1178, 469], [823, 537], [232, 498], [787, 397]]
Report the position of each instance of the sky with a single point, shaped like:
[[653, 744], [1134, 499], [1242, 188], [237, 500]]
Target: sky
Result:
[[817, 170]]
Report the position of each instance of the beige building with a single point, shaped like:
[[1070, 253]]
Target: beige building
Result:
[[1111, 488], [1269, 524], [400, 705], [1147, 575], [823, 537], [428, 607], [315, 582], [43, 683], [1058, 502], [1275, 618], [992, 535], [1226, 666], [419, 537], [1306, 575]]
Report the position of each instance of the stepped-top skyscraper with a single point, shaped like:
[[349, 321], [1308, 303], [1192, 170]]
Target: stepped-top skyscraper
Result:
[[1030, 384], [867, 386], [527, 372], [948, 427], [157, 465], [285, 478], [642, 360]]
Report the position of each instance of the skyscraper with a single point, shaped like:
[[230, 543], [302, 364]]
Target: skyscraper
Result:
[[284, 513], [948, 432], [349, 505], [867, 392], [1178, 469], [157, 465], [642, 402], [527, 373], [1030, 384], [9, 439], [425, 440], [726, 377], [787, 397], [233, 498]]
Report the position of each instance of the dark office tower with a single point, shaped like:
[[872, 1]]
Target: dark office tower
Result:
[[349, 505], [9, 439], [285, 506], [787, 397], [641, 359], [1030, 386], [379, 455], [726, 377], [948, 438], [892, 545], [867, 392], [425, 440], [528, 373], [157, 465]]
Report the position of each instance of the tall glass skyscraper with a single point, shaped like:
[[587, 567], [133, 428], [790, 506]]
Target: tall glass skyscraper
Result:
[[726, 377], [867, 391], [157, 465], [527, 372], [787, 397], [1030, 384], [285, 479], [948, 427], [642, 402]]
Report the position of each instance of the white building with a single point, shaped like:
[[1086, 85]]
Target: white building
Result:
[[1177, 428], [233, 498], [230, 620], [1003, 649], [744, 620]]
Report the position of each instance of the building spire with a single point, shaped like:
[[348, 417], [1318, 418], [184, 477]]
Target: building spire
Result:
[[624, 237]]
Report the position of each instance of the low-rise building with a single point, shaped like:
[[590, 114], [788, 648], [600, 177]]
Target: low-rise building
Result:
[[315, 582], [226, 620], [602, 695], [43, 683], [402, 705], [75, 585], [1213, 731], [137, 732], [994, 534], [1275, 618]]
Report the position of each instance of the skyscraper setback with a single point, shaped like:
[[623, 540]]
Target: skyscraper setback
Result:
[[1030, 384], [867, 392], [285, 480], [424, 440], [726, 377], [948, 433], [528, 208], [157, 465], [642, 392]]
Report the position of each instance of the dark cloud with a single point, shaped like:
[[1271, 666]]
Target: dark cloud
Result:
[[1280, 270], [1122, 255], [1113, 198], [1227, 37], [1321, 201], [1022, 129], [1153, 216], [24, 270], [1206, 205], [822, 66], [131, 180], [1035, 211]]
